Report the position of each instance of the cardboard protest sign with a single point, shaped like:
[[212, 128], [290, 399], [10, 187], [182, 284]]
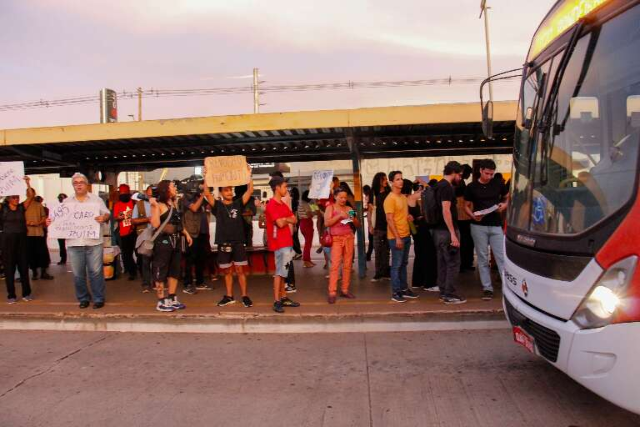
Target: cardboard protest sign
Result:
[[74, 220], [12, 179], [226, 171], [320, 184]]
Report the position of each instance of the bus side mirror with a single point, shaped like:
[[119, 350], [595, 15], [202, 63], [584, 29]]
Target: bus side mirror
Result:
[[487, 120]]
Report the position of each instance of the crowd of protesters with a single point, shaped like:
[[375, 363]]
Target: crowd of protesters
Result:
[[466, 217]]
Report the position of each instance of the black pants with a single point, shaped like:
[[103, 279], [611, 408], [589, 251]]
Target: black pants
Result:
[[290, 280], [62, 244], [195, 258], [14, 255], [127, 246], [466, 244], [425, 264], [448, 261], [296, 240], [370, 247], [38, 252], [247, 228]]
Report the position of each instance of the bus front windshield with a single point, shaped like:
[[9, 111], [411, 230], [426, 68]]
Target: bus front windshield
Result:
[[582, 167]]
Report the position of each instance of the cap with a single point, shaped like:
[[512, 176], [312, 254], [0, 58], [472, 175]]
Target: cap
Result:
[[124, 188], [276, 181]]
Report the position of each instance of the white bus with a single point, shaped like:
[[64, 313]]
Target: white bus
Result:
[[572, 280]]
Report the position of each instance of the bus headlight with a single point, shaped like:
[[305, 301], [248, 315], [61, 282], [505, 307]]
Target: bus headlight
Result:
[[607, 296]]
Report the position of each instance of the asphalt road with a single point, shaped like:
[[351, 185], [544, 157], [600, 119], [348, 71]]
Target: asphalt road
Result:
[[466, 378]]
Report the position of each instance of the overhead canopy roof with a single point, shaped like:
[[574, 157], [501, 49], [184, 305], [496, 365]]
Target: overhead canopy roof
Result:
[[407, 131]]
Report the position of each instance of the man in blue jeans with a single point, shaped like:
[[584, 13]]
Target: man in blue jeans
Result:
[[484, 194], [396, 210], [86, 254]]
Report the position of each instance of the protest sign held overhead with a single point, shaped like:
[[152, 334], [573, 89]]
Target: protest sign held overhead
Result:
[[320, 185], [226, 171], [12, 179], [74, 220]]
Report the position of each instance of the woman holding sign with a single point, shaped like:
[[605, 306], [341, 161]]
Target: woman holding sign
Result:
[[343, 222], [14, 245], [167, 248]]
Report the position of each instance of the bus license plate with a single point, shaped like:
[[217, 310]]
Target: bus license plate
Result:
[[522, 338]]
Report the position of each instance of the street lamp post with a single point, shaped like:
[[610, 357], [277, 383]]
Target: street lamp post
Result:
[[484, 9]]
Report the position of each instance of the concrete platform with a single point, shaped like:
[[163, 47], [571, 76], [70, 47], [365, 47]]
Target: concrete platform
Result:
[[127, 309]]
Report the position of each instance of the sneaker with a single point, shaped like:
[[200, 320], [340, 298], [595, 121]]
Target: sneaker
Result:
[[46, 276], [11, 300], [286, 302], [376, 279], [297, 257], [204, 287], [398, 297], [431, 289], [190, 290], [162, 306], [487, 295], [176, 304], [146, 289], [408, 293], [277, 307], [27, 298], [246, 301], [291, 289], [226, 300], [454, 299]]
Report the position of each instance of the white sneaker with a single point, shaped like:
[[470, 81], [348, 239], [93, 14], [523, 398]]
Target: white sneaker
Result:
[[164, 306], [432, 289]]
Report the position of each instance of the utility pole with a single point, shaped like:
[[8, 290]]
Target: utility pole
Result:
[[484, 9], [139, 104], [256, 92]]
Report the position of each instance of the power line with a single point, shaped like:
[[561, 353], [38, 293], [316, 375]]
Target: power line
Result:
[[163, 93]]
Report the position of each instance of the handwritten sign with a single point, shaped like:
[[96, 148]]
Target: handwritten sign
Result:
[[226, 171], [74, 220], [12, 179], [320, 184]]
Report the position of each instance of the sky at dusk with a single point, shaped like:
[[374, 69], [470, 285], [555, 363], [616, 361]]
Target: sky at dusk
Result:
[[67, 48]]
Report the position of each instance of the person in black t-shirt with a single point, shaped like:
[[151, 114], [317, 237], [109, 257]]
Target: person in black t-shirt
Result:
[[230, 239], [378, 225], [487, 193], [446, 235]]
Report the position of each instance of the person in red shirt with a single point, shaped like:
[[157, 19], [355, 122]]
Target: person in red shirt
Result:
[[122, 213], [280, 240]]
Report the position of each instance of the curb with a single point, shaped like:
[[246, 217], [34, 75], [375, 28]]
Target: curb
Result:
[[257, 323]]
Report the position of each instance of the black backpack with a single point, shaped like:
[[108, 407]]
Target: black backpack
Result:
[[431, 208]]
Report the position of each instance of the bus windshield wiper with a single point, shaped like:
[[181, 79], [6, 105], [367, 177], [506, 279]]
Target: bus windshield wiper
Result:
[[548, 114]]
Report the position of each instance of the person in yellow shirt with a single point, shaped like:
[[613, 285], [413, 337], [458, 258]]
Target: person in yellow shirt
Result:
[[396, 210]]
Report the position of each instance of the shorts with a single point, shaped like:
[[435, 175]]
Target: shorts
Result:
[[283, 257], [237, 256], [166, 258]]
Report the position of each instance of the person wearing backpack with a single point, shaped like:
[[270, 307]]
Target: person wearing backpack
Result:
[[446, 235]]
